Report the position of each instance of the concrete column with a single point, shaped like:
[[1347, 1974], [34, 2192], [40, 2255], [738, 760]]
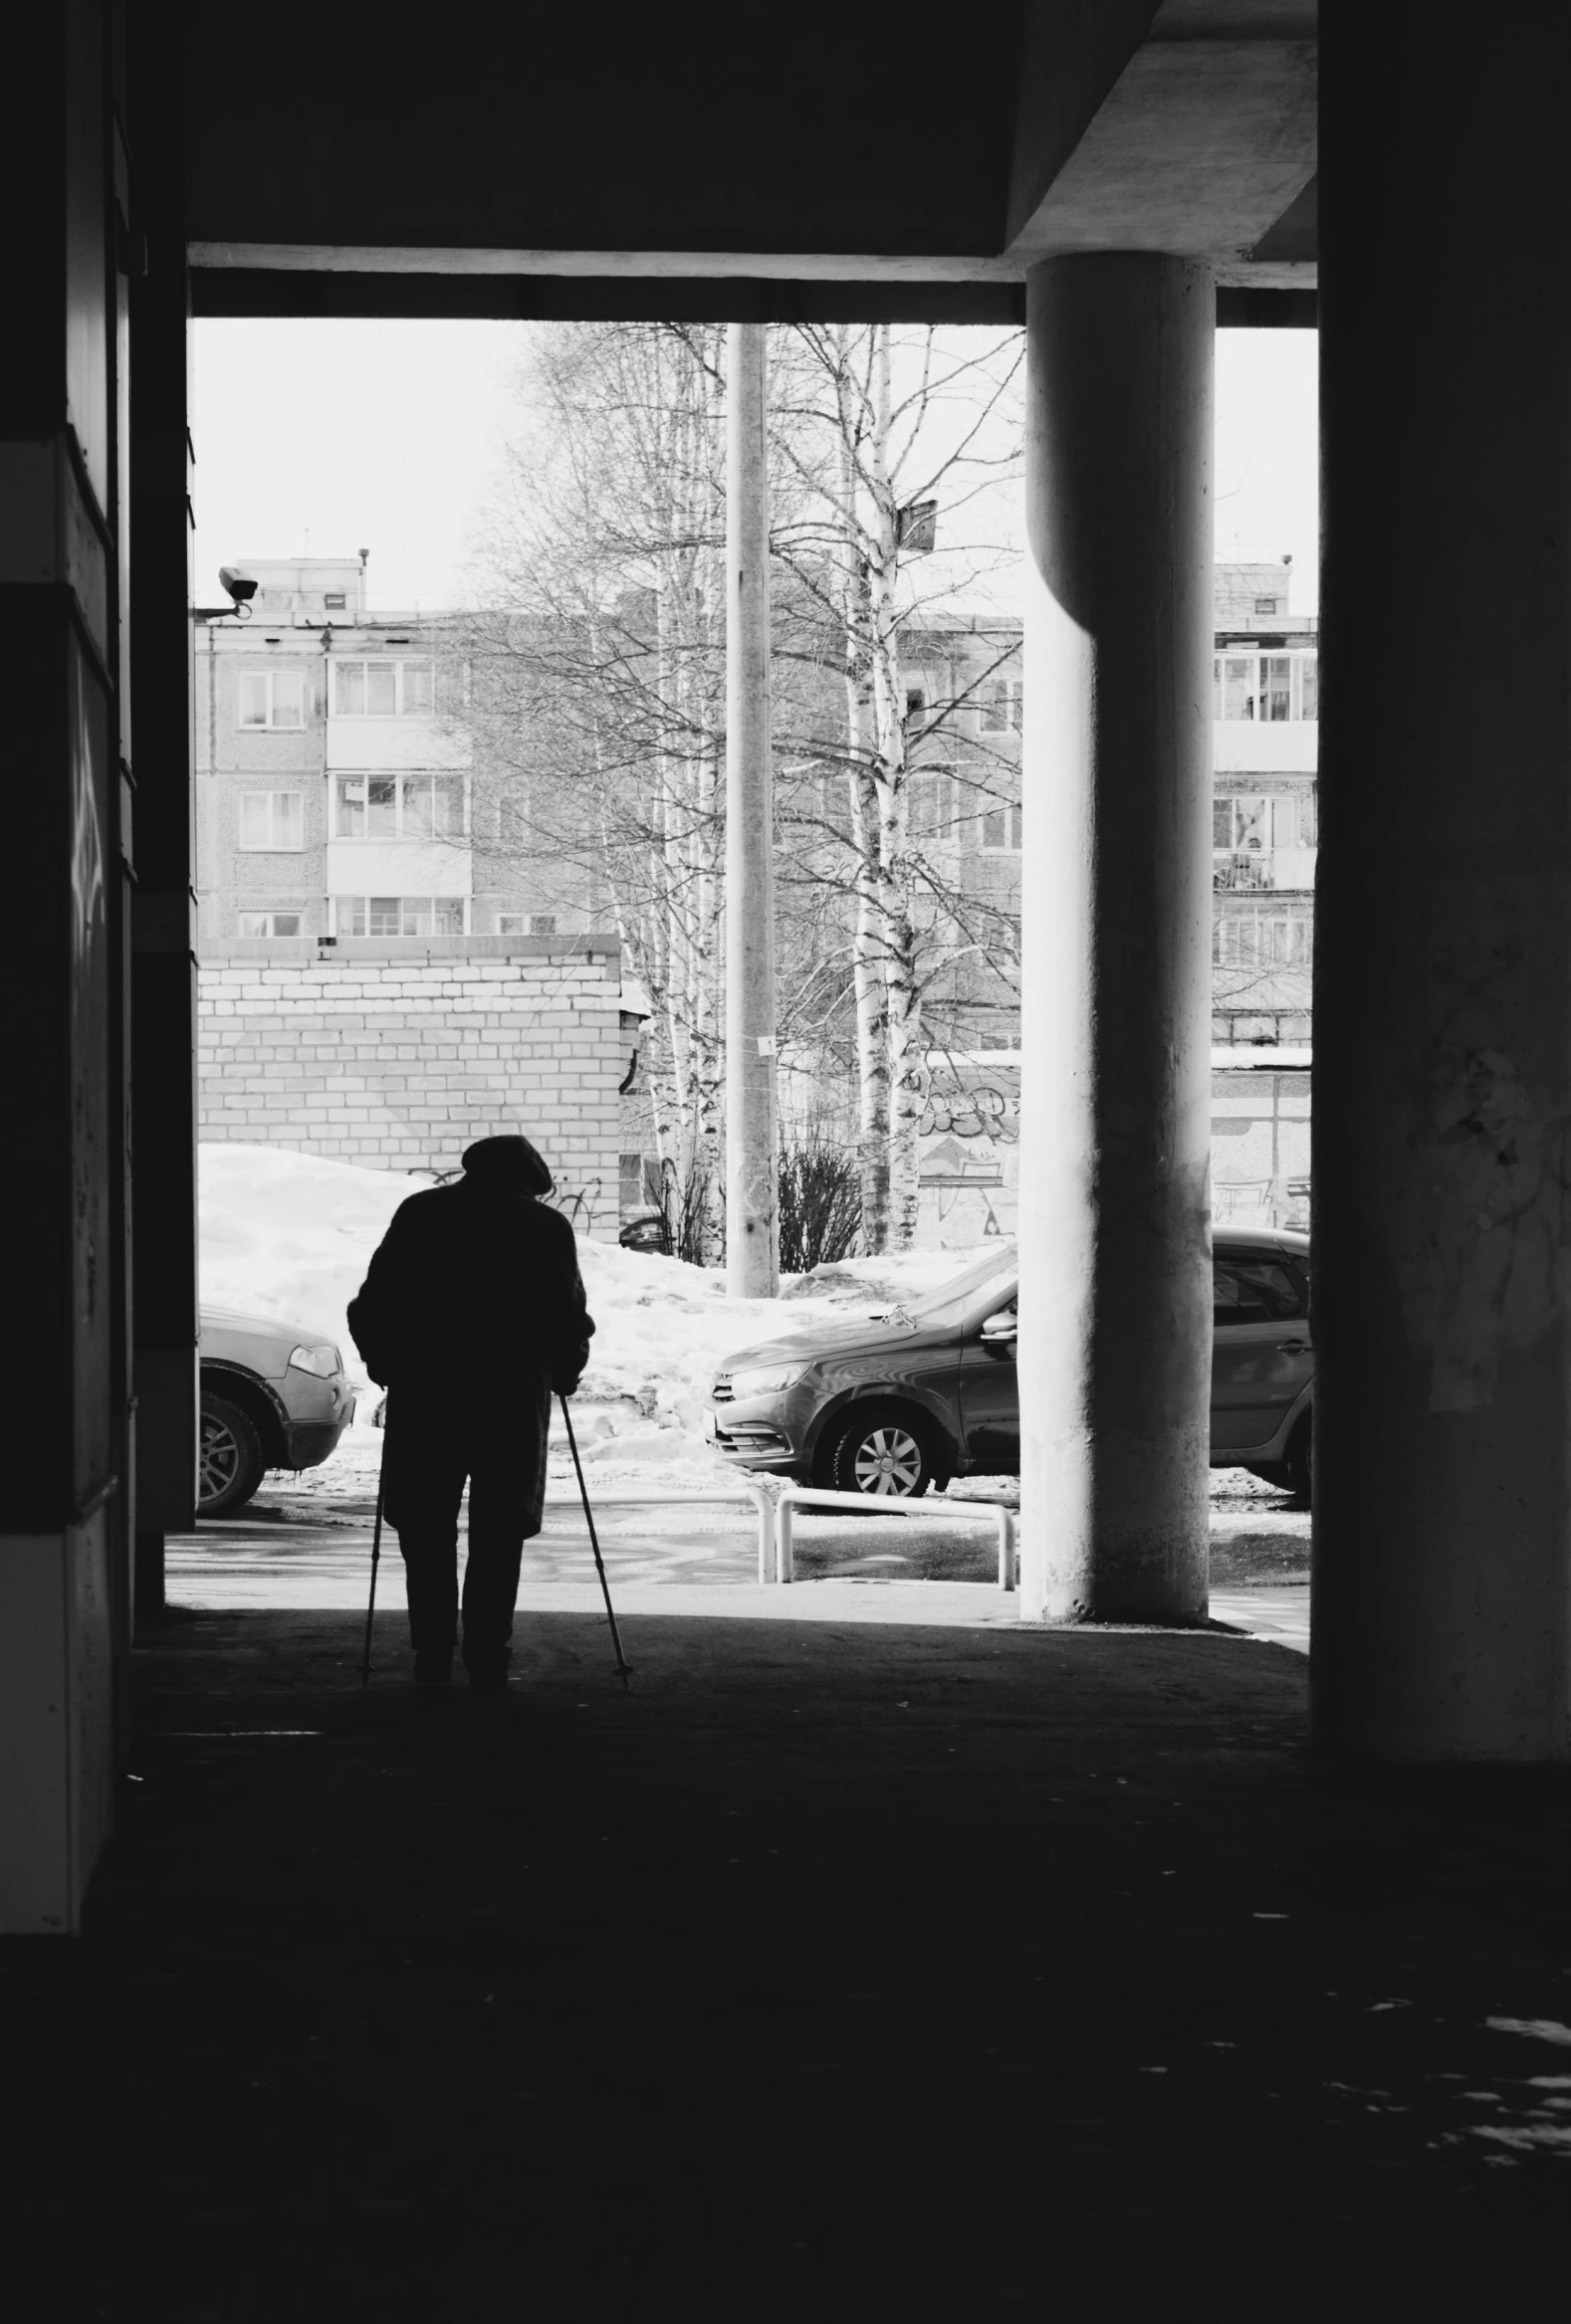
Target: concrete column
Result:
[[1441, 1139], [752, 1124], [1115, 1256]]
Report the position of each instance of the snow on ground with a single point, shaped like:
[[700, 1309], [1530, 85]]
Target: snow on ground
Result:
[[288, 1235]]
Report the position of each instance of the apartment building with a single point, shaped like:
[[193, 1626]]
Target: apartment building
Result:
[[1264, 755], [966, 810], [338, 799], [372, 985]]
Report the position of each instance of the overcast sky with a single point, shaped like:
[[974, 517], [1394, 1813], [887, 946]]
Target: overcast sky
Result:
[[322, 438]]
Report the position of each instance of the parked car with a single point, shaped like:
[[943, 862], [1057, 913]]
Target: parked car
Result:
[[273, 1396], [646, 1233], [927, 1392]]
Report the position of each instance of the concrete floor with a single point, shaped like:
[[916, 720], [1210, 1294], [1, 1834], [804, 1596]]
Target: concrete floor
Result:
[[841, 1967], [286, 1551]]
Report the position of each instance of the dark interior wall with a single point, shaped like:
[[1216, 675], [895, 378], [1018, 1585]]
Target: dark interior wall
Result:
[[59, 558], [163, 959]]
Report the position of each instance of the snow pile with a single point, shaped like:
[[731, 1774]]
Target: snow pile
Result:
[[288, 1235]]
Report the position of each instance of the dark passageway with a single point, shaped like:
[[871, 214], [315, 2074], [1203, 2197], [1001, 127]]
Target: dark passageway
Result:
[[837, 1969]]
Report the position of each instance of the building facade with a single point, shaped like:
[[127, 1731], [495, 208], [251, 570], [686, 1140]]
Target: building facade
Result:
[[337, 795], [373, 985], [342, 813], [963, 693]]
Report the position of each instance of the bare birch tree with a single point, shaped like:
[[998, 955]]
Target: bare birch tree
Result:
[[877, 461], [598, 695]]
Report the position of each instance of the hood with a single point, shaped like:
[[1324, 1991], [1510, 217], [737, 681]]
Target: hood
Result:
[[505, 1164], [814, 1341], [230, 1319]]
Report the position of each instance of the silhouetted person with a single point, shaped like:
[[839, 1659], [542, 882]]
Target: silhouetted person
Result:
[[471, 1316]]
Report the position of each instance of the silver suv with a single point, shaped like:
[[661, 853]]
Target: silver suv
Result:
[[273, 1396]]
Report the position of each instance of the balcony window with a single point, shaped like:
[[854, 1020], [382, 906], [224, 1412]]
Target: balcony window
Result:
[[400, 806], [1274, 941], [267, 923], [1247, 834], [272, 820], [1272, 688], [367, 688], [402, 915], [272, 698]]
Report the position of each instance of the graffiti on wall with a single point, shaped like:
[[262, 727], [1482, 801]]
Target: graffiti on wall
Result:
[[968, 1149]]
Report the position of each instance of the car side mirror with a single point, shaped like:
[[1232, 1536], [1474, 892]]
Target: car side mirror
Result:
[[1001, 1329]]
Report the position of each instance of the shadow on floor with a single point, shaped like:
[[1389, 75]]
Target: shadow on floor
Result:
[[837, 1969]]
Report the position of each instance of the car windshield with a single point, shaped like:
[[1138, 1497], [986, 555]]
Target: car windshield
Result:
[[952, 1301]]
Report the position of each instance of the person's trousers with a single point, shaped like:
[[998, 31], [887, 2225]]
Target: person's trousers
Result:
[[434, 1444]]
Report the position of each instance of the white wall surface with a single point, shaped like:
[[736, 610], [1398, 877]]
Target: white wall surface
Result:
[[399, 866], [1251, 747], [380, 746]]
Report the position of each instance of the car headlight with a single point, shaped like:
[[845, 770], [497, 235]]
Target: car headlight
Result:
[[767, 1380], [322, 1360]]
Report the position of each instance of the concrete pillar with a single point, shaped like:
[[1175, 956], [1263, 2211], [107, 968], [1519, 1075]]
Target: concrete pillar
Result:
[[752, 1123], [1115, 1256], [1441, 1139]]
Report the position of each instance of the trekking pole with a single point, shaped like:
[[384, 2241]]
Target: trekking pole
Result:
[[376, 1550], [623, 1670]]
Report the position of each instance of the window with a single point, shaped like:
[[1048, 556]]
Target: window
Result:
[[511, 924], [433, 806], [336, 601], [400, 914], [272, 698], [1274, 688], [269, 924], [400, 806], [998, 705], [1279, 941], [1254, 1291], [543, 924], [1000, 829], [1242, 824], [1265, 604], [932, 808], [272, 819], [366, 688]]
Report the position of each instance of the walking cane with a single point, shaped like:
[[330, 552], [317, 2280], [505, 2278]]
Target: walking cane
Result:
[[376, 1550], [623, 1670]]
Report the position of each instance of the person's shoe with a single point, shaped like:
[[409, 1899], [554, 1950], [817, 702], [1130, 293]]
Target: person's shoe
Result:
[[433, 1667]]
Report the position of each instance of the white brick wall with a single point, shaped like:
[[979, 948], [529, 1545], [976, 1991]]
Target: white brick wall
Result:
[[399, 1064]]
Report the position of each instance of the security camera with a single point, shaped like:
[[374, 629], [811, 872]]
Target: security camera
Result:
[[240, 587]]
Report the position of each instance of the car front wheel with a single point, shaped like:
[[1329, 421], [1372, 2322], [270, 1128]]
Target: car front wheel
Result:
[[882, 1457], [230, 1466]]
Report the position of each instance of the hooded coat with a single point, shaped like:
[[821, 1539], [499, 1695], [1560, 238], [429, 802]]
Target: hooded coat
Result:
[[477, 1277]]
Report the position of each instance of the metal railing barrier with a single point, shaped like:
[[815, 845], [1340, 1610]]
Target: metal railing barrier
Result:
[[757, 1493], [807, 1498]]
